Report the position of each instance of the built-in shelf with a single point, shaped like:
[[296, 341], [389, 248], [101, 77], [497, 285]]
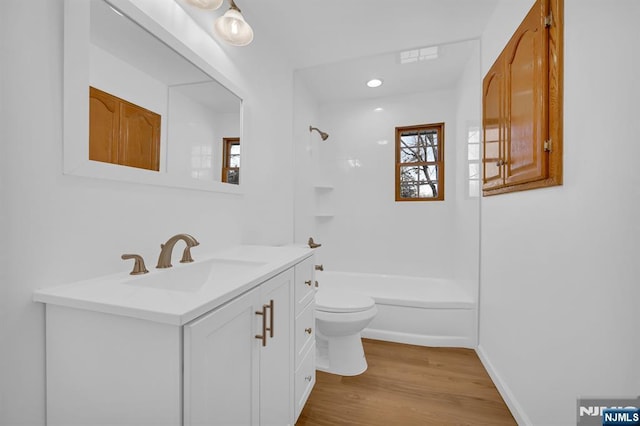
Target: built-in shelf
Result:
[[323, 187], [323, 215]]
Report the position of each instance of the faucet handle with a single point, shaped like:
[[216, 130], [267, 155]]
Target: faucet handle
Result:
[[186, 255], [138, 266]]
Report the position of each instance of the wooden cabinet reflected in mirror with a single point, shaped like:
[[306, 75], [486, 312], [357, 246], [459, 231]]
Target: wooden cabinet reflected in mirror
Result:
[[123, 133]]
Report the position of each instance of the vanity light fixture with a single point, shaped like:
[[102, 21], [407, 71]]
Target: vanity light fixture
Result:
[[206, 4], [374, 82], [232, 27]]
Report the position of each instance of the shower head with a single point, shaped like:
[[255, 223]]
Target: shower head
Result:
[[323, 135]]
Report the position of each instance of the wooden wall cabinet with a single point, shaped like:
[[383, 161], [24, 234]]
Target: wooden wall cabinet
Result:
[[122, 133], [522, 106]]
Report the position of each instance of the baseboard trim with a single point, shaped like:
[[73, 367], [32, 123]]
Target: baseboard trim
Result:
[[512, 403]]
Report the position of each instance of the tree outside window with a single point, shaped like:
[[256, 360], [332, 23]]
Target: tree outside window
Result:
[[420, 162]]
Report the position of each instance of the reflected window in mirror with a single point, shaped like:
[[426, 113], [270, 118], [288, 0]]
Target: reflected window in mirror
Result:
[[231, 160]]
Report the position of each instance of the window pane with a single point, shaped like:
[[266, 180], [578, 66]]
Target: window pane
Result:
[[419, 181], [234, 160], [233, 176], [474, 188], [474, 171], [408, 155], [474, 152]]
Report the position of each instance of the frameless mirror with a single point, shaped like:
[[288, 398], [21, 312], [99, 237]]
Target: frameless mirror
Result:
[[106, 49]]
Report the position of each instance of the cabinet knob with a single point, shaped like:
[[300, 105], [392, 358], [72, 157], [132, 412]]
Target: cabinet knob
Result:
[[319, 267], [317, 284], [308, 282], [308, 330], [308, 378]]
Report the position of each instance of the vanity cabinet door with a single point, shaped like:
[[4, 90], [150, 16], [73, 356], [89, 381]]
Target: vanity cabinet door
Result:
[[493, 109], [221, 365], [231, 375], [276, 358]]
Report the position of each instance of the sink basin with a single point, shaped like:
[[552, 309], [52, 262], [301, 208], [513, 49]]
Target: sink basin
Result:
[[191, 277]]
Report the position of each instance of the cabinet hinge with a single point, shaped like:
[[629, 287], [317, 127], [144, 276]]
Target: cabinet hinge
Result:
[[548, 20], [547, 145]]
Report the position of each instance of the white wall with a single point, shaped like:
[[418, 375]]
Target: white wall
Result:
[[370, 231], [467, 219], [58, 228], [559, 267], [306, 158], [196, 132]]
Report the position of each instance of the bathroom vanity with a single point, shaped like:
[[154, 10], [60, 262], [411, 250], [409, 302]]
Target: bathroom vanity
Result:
[[225, 340]]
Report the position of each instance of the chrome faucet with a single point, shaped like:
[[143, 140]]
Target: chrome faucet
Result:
[[164, 260]]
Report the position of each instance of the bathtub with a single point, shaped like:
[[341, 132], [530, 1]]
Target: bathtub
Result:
[[413, 310]]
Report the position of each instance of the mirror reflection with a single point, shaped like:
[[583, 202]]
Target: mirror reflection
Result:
[[196, 115]]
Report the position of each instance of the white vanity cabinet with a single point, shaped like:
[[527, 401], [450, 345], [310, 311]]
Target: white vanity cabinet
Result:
[[152, 357], [304, 331], [230, 376]]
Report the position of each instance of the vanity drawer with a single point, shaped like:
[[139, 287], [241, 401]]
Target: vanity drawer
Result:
[[305, 379], [304, 283], [305, 332]]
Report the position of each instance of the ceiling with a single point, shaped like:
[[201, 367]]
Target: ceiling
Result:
[[336, 46], [114, 34]]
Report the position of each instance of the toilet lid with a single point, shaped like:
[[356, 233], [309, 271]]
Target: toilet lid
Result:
[[342, 301]]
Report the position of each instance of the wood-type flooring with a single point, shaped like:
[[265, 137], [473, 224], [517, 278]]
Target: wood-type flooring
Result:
[[408, 385]]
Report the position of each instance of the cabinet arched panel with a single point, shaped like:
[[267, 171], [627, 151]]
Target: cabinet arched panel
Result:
[[526, 159], [104, 122]]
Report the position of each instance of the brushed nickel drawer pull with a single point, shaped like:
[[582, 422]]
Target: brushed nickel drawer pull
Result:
[[271, 315], [308, 330], [308, 378], [308, 282]]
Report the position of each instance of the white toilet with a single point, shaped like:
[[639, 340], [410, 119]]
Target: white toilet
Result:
[[340, 317]]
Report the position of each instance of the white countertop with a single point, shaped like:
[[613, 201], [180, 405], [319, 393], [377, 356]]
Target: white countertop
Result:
[[121, 294]]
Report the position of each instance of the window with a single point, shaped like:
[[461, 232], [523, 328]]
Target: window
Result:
[[473, 160], [420, 162], [231, 160]]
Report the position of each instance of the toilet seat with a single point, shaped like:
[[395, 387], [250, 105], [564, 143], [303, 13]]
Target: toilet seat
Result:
[[342, 301]]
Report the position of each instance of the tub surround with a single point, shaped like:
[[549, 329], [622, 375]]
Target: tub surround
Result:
[[414, 310], [123, 294]]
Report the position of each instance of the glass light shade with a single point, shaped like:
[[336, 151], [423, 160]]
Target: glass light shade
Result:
[[376, 82], [233, 29], [206, 4]]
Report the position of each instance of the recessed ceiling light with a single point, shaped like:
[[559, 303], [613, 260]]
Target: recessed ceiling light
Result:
[[375, 82], [378, 109]]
